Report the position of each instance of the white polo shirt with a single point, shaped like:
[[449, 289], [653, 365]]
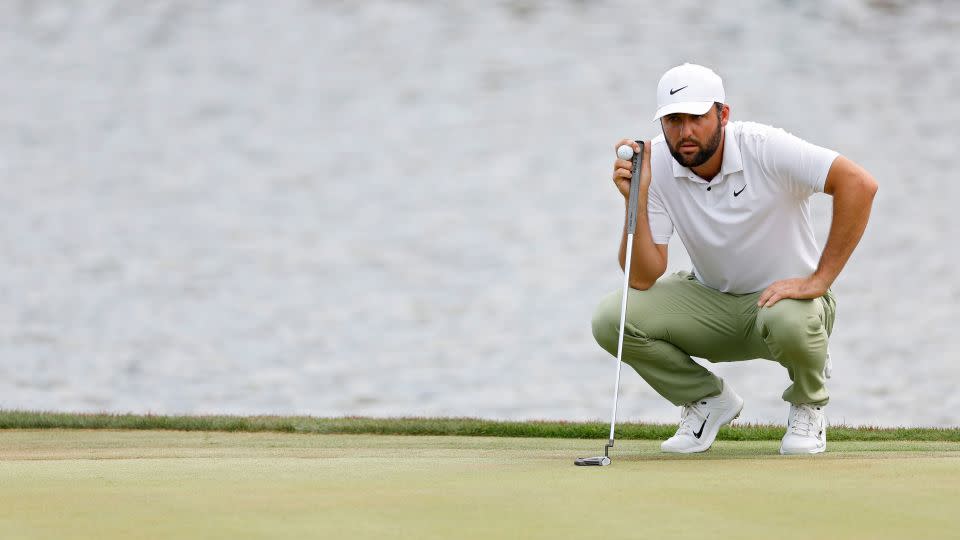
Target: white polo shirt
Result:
[[750, 225]]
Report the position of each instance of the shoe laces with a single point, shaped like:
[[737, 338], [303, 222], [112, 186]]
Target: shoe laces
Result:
[[804, 420], [691, 418]]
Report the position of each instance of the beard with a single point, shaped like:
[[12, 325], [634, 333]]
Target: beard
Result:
[[704, 153]]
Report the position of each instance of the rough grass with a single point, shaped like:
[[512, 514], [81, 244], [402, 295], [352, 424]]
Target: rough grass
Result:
[[439, 426]]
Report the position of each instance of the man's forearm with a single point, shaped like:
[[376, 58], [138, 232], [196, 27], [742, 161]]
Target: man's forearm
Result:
[[851, 211], [646, 262], [853, 190]]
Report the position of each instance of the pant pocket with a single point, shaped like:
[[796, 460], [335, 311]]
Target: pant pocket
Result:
[[829, 302]]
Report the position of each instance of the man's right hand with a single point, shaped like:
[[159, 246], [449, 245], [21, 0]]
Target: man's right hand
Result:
[[623, 168]]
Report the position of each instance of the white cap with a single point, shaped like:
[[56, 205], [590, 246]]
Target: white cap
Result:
[[689, 89]]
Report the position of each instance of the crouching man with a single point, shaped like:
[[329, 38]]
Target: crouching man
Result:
[[737, 194]]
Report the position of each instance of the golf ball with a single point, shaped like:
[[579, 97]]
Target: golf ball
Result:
[[625, 152]]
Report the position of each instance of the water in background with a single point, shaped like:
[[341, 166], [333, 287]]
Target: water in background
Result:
[[404, 208]]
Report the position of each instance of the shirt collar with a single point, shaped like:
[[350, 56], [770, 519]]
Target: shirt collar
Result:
[[732, 160]]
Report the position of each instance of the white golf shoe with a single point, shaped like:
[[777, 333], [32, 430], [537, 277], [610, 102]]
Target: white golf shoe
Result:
[[806, 431], [701, 420]]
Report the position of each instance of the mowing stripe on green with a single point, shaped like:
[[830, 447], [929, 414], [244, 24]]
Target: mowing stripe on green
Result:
[[437, 426]]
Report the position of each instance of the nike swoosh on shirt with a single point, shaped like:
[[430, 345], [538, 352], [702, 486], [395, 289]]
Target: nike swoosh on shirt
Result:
[[672, 91], [735, 193]]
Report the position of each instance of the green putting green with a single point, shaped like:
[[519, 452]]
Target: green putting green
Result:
[[168, 484]]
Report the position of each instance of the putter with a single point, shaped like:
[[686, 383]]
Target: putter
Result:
[[604, 460]]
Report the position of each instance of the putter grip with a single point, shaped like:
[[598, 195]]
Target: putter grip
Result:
[[634, 190]]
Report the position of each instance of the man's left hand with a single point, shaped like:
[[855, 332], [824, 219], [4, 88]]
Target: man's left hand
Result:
[[799, 288]]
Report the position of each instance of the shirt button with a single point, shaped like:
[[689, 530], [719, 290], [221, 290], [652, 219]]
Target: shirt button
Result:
[[708, 188]]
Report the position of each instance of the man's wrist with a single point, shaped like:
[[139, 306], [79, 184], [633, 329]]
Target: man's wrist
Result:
[[821, 281]]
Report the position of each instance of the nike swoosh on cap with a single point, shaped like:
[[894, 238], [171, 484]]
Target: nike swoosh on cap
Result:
[[672, 91]]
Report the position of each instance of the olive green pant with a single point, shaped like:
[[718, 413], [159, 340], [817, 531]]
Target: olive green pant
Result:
[[679, 317]]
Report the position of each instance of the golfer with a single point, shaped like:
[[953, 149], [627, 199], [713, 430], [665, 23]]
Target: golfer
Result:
[[737, 194]]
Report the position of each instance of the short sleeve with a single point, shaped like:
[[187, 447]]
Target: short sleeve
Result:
[[802, 167], [661, 226]]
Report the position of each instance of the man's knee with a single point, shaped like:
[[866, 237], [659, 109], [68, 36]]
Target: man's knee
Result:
[[791, 323], [606, 322]]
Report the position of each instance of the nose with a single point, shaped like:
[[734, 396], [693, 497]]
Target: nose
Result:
[[686, 128]]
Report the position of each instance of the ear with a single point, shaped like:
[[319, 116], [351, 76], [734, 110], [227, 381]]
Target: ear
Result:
[[724, 115]]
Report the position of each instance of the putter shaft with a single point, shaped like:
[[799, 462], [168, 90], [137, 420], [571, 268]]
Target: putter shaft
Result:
[[631, 228]]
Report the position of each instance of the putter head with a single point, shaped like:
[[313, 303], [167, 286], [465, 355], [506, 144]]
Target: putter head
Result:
[[599, 461]]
